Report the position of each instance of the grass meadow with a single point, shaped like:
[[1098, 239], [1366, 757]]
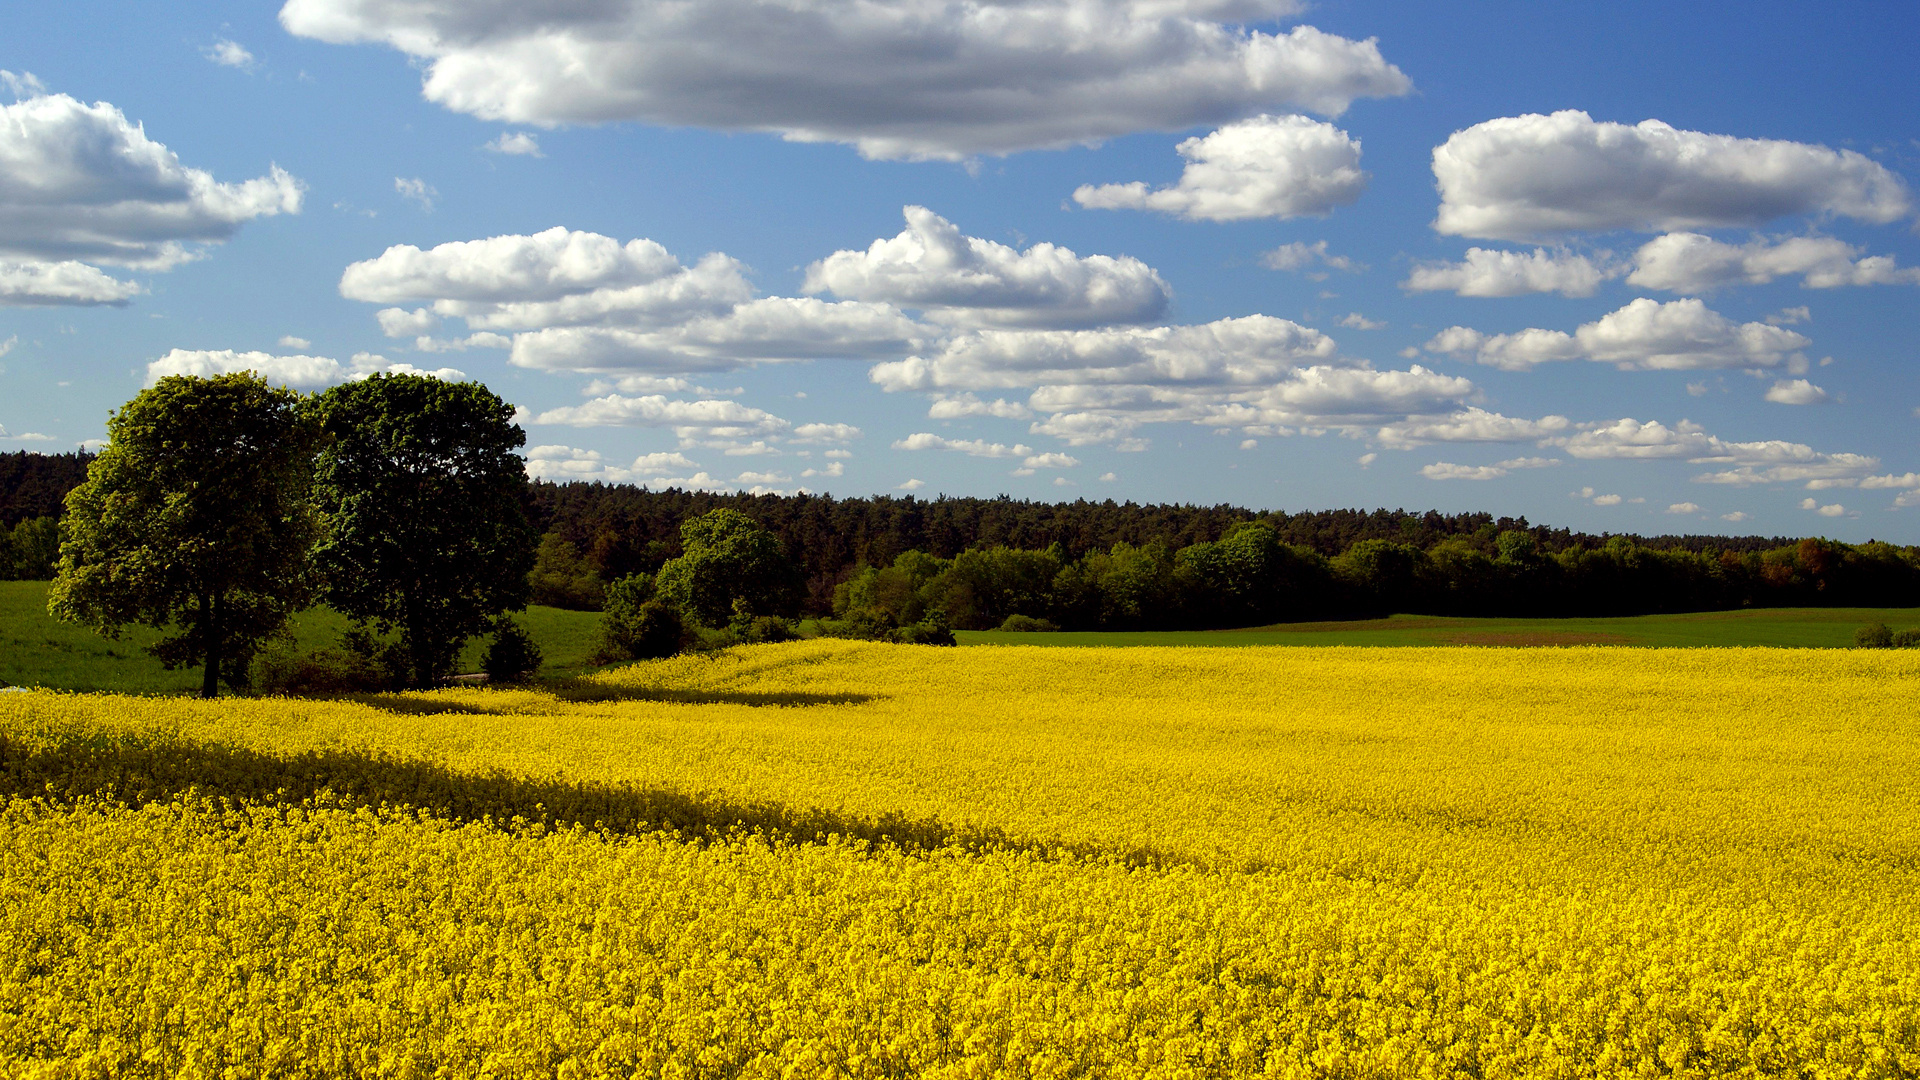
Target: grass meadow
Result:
[[851, 859]]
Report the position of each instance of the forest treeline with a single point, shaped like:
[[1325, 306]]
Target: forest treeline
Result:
[[868, 564]]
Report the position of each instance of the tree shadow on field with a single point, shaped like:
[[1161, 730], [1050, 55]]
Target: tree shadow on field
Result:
[[588, 691], [135, 770]]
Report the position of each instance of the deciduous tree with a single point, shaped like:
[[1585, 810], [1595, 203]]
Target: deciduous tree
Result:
[[419, 497], [195, 516]]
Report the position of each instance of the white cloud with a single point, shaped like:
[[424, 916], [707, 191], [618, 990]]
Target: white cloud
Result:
[[958, 406], [1061, 481], [1266, 167], [561, 464], [1829, 510], [1051, 461], [964, 280], [400, 323], [689, 419], [1607, 500], [1769, 461], [1645, 335], [768, 330], [515, 143], [825, 433], [1358, 321], [1108, 478], [1692, 262], [7, 345], [833, 469], [48, 284], [81, 182], [298, 370], [699, 481], [1524, 176], [416, 190], [929, 79], [24, 84], [1792, 316], [910, 485], [1470, 425], [1299, 255], [1684, 508], [25, 436], [552, 278], [1737, 515], [1490, 272], [288, 341], [229, 54], [1247, 351], [483, 340], [763, 479], [1447, 470], [1795, 392], [1257, 373], [980, 448]]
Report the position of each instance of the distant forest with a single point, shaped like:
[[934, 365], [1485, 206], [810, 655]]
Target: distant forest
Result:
[[1112, 565]]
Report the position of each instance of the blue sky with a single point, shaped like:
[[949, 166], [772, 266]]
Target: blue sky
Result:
[[1246, 251]]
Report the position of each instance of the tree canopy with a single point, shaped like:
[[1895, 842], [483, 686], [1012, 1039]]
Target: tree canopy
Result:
[[419, 494], [195, 516], [729, 557]]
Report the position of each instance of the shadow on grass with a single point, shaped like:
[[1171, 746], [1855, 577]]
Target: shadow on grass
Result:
[[135, 771], [577, 690]]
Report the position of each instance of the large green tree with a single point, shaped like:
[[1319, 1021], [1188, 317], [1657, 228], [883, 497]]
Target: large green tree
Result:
[[194, 516], [419, 492], [728, 556]]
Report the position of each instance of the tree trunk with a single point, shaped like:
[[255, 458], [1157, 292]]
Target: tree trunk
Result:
[[211, 640]]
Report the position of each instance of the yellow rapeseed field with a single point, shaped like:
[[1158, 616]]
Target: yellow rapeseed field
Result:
[[854, 860]]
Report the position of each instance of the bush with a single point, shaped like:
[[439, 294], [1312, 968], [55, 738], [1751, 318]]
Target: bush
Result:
[[1876, 636], [639, 625], [928, 632], [363, 665], [513, 657], [1906, 639], [1026, 624]]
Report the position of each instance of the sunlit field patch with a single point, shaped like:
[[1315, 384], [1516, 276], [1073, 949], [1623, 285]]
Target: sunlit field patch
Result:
[[833, 858]]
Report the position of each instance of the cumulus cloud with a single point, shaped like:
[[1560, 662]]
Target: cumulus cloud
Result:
[[564, 463], [515, 143], [587, 303], [1490, 272], [1447, 470], [964, 280], [825, 433], [1692, 262], [83, 183], [416, 191], [771, 329], [1257, 373], [1357, 321], [1684, 508], [1768, 461], [553, 278], [934, 79], [1645, 335], [926, 440], [1795, 392], [60, 284], [910, 485], [1299, 255], [1248, 351], [688, 419], [299, 370], [229, 54], [959, 406], [1470, 425], [1523, 176], [1266, 167]]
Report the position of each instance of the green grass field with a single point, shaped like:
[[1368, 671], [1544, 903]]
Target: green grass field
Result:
[[1801, 628], [39, 650]]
